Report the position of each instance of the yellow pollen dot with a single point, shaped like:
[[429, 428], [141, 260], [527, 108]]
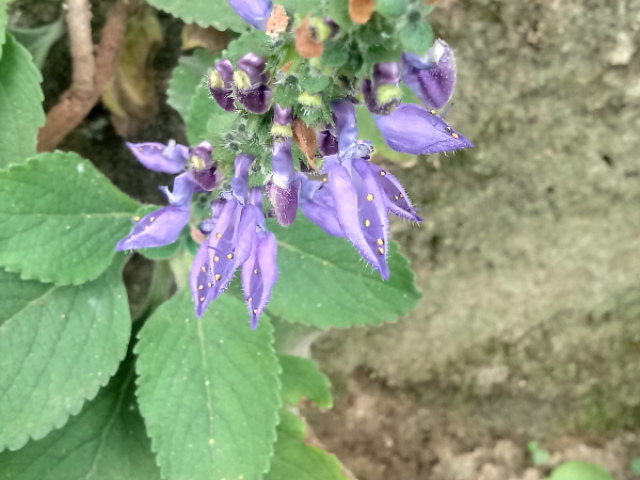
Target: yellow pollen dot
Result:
[[202, 299], [381, 251], [229, 256], [255, 271], [448, 129], [218, 235], [325, 180], [249, 300], [255, 311], [380, 241], [200, 287], [136, 218], [432, 112], [216, 258], [367, 223], [400, 196], [152, 219], [454, 135], [396, 198], [382, 173], [209, 284], [369, 197], [217, 277], [203, 269]]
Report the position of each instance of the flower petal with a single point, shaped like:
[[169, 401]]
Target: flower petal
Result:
[[259, 274], [256, 99], [362, 212], [183, 189], [432, 78], [415, 130], [240, 180], [284, 201], [316, 202], [170, 158], [395, 197], [254, 12], [200, 280], [156, 229], [344, 115]]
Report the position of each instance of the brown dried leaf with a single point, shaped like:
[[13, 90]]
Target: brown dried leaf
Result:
[[194, 36], [305, 138], [130, 94], [306, 46], [277, 22], [360, 11]]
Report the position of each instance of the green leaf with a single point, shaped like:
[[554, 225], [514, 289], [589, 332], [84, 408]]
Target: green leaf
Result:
[[185, 78], [293, 459], [208, 390], [323, 282], [417, 37], [578, 470], [301, 379], [21, 113], [59, 345], [206, 120], [206, 13], [634, 466], [38, 40], [106, 441], [61, 219]]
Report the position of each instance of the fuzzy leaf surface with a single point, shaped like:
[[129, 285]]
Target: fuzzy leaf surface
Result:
[[106, 441], [21, 113], [301, 379], [59, 346], [185, 78], [61, 219], [206, 120], [324, 283], [294, 459], [206, 13], [208, 390]]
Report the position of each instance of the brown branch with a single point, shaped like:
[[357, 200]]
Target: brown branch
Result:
[[90, 73]]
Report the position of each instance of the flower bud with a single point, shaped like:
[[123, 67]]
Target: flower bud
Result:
[[220, 85], [382, 93], [254, 12], [282, 120], [282, 186], [202, 167], [433, 77], [251, 84]]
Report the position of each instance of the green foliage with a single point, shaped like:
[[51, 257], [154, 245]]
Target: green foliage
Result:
[[208, 389], [38, 40], [578, 470], [294, 459], [538, 455], [634, 466], [301, 379], [206, 13], [185, 78], [3, 21], [61, 219], [323, 283], [206, 120], [59, 345], [392, 8], [21, 113], [106, 441], [417, 37]]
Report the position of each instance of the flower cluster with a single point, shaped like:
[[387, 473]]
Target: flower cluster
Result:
[[347, 196]]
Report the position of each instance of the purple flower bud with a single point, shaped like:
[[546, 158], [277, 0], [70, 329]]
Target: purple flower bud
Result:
[[282, 186], [415, 130], [327, 142], [382, 94], [259, 274], [282, 116], [344, 116], [202, 167], [170, 158], [251, 84], [220, 84], [433, 77], [254, 12]]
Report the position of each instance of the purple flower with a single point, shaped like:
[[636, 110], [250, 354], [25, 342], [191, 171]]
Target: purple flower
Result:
[[163, 226], [357, 194], [238, 238], [282, 186], [250, 83], [220, 84], [433, 77], [254, 12], [416, 130], [382, 93]]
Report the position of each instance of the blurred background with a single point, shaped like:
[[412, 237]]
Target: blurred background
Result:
[[529, 257]]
